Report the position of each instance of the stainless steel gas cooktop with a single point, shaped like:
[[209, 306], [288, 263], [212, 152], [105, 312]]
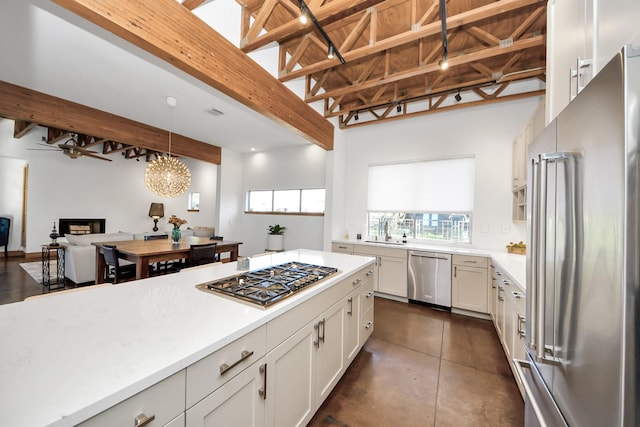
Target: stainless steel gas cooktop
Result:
[[269, 285]]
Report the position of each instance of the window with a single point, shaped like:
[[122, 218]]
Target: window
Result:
[[301, 201], [429, 200]]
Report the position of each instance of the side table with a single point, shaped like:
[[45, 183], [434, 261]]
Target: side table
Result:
[[47, 280]]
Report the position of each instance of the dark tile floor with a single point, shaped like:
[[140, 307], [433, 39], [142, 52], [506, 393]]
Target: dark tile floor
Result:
[[423, 367]]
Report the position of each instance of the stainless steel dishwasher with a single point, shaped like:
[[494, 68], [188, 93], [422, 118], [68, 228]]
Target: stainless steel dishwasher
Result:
[[429, 278]]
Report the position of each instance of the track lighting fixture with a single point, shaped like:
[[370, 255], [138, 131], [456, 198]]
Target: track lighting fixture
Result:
[[356, 117], [444, 63], [458, 97], [307, 14], [399, 108], [303, 14]]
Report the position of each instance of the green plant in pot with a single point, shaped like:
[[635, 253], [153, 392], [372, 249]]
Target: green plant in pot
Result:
[[275, 238]]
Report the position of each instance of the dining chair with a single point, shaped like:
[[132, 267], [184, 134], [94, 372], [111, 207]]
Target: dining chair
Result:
[[116, 271], [202, 254]]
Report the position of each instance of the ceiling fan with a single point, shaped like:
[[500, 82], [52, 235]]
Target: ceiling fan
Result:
[[71, 149]]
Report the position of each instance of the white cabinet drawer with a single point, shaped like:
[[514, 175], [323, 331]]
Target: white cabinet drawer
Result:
[[211, 372], [366, 300], [346, 248], [164, 401], [380, 251], [366, 324], [470, 261]]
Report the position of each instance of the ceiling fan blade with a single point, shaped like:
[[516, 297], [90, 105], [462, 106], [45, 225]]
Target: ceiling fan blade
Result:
[[88, 154]]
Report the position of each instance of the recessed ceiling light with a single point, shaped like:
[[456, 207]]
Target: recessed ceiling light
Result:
[[253, 148]]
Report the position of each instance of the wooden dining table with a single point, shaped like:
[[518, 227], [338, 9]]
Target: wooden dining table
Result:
[[145, 252]]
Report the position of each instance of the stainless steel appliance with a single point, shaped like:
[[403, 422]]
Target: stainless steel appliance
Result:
[[583, 264], [267, 286], [429, 278]]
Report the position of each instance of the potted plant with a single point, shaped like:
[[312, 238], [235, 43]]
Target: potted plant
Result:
[[275, 238]]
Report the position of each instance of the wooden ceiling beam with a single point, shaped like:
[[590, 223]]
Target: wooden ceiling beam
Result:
[[436, 107], [327, 14], [417, 71], [22, 127], [192, 4], [169, 31], [453, 22], [20, 103]]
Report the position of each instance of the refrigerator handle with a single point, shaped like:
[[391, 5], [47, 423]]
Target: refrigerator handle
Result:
[[545, 354], [533, 268], [539, 267]]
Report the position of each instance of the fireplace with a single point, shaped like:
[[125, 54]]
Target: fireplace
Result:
[[81, 226]]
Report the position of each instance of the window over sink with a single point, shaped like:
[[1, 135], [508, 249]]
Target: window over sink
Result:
[[428, 200]]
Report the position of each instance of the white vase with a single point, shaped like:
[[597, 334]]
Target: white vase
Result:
[[275, 242]]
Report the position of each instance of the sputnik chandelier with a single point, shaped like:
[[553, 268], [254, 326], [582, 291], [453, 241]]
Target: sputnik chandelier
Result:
[[168, 176]]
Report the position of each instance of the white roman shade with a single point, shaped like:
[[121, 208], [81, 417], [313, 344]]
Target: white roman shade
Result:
[[427, 186]]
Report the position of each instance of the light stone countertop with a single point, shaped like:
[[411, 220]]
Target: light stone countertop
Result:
[[514, 265], [68, 357]]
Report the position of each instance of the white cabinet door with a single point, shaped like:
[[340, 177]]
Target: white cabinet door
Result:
[[493, 302], [469, 288], [330, 359], [352, 326], [617, 25], [570, 44], [290, 380], [240, 400], [392, 273]]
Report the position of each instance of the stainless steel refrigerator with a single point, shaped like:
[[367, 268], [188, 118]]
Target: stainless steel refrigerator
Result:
[[583, 260]]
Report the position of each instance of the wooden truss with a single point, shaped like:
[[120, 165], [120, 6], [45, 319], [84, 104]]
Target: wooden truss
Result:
[[392, 50]]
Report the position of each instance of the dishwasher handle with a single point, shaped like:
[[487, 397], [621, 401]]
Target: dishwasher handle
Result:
[[414, 254]]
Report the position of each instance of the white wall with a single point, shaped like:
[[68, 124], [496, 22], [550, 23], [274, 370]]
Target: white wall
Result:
[[282, 169], [231, 199], [11, 197], [59, 187], [486, 132]]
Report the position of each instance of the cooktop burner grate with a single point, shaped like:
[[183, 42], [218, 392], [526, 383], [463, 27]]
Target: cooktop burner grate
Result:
[[269, 285]]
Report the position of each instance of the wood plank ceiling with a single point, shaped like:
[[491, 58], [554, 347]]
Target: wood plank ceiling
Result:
[[392, 50]]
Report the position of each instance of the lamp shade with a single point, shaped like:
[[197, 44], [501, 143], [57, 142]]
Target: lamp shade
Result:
[[156, 210]]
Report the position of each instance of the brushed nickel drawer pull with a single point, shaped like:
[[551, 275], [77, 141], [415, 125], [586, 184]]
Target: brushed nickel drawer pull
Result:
[[224, 368], [350, 311], [263, 391], [143, 420], [369, 273], [369, 294], [368, 325], [357, 281]]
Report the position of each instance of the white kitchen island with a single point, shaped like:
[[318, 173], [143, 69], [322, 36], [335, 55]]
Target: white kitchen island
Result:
[[67, 358]]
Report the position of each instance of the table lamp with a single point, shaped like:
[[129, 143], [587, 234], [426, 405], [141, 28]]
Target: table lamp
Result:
[[156, 211]]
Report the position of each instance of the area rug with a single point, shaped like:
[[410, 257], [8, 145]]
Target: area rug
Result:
[[35, 270]]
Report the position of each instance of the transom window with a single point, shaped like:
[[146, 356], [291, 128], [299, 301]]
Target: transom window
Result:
[[299, 201]]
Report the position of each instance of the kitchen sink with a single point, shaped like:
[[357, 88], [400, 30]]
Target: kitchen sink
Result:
[[382, 242]]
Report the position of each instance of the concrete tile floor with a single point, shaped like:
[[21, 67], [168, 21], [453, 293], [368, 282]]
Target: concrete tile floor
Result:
[[424, 367]]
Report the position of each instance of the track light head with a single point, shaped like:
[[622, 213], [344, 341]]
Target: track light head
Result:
[[356, 117], [304, 18], [458, 97], [399, 108], [330, 54]]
